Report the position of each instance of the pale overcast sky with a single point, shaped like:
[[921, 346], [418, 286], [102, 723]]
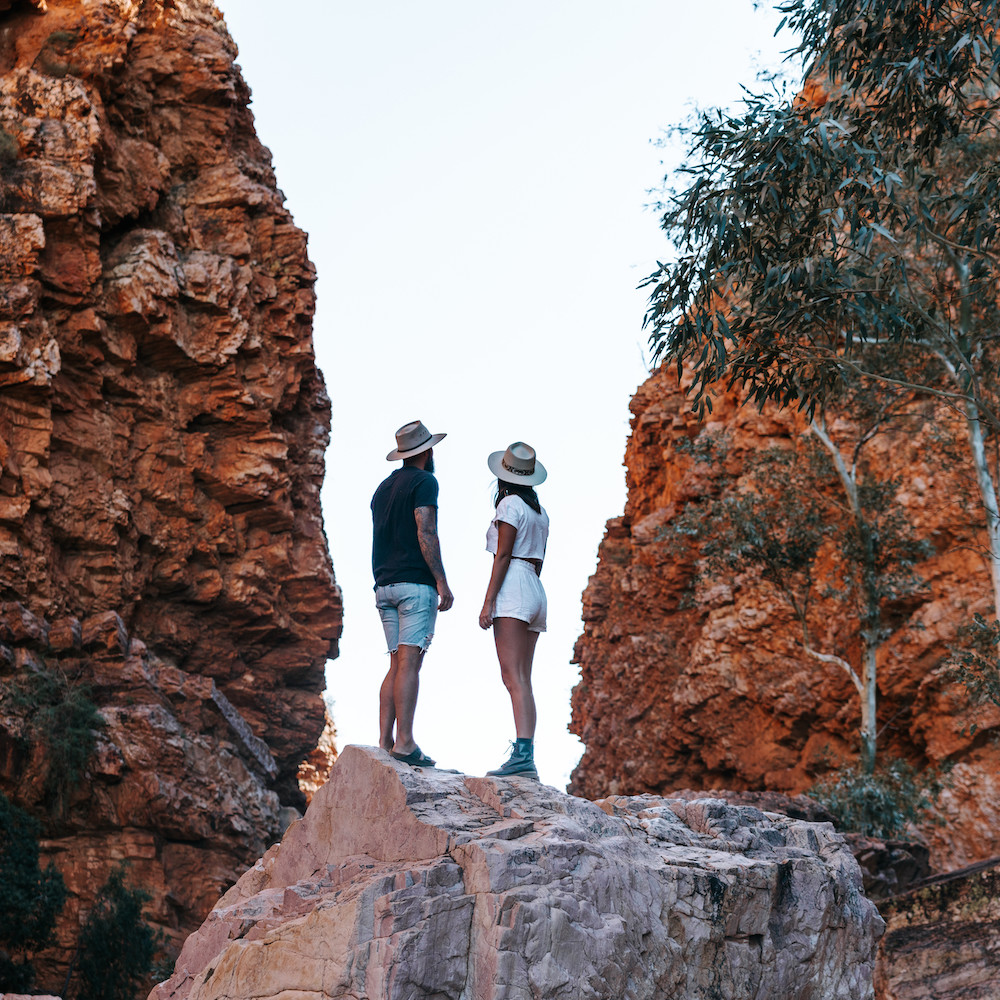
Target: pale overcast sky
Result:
[[473, 178]]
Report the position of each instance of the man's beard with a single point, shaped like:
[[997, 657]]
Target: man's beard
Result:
[[429, 467]]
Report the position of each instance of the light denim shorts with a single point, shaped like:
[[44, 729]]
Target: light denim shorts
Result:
[[522, 596], [408, 612]]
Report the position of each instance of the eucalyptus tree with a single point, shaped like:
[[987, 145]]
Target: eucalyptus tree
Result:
[[828, 493], [818, 230]]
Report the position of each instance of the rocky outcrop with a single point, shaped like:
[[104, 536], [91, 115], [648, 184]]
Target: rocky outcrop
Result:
[[694, 681], [888, 867], [177, 785], [943, 938], [408, 883], [162, 430]]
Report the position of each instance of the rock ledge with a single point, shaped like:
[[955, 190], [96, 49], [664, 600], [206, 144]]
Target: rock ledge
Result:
[[409, 883]]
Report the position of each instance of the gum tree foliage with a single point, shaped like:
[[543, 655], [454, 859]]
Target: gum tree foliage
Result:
[[117, 947], [31, 898], [820, 231], [790, 504], [975, 661]]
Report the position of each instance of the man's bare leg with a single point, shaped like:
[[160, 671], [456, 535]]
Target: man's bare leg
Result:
[[387, 705], [404, 693]]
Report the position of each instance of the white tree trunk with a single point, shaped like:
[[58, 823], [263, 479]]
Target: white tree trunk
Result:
[[988, 493], [870, 639], [869, 731]]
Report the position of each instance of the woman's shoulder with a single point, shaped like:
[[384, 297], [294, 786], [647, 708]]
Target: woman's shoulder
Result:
[[511, 504]]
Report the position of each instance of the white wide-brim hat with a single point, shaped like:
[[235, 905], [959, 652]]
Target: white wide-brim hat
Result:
[[412, 439], [517, 465]]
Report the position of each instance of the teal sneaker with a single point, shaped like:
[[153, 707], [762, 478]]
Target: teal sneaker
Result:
[[520, 763]]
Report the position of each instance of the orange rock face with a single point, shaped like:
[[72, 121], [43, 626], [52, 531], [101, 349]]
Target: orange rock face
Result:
[[162, 431], [690, 680]]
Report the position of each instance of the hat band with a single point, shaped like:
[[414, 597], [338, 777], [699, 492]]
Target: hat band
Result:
[[410, 447], [517, 472]]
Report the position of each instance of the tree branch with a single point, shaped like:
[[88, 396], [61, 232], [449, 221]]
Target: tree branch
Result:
[[832, 658]]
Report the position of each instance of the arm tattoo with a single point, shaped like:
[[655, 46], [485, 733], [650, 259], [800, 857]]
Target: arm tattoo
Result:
[[427, 537]]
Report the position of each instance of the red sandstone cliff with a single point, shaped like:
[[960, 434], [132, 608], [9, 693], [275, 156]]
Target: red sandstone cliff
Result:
[[162, 431], [689, 682]]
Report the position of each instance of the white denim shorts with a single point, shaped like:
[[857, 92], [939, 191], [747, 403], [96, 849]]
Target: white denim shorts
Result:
[[408, 612], [522, 596]]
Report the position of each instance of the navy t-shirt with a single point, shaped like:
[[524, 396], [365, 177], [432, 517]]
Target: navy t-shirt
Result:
[[396, 555]]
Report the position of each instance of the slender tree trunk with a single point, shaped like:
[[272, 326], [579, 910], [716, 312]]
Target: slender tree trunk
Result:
[[871, 623], [961, 372], [988, 493], [869, 730]]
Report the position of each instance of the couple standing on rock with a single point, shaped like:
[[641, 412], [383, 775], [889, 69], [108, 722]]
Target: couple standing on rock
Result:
[[411, 587]]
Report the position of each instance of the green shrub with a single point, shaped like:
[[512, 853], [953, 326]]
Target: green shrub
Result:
[[880, 804], [975, 661], [62, 716], [116, 947], [31, 898]]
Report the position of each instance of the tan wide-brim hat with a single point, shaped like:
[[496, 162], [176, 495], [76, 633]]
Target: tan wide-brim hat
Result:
[[412, 439], [517, 465]]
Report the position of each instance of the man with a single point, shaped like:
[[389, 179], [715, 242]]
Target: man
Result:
[[410, 584]]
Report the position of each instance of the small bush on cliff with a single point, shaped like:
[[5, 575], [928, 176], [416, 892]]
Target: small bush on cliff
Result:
[[883, 803], [975, 661], [31, 898], [116, 947], [62, 716]]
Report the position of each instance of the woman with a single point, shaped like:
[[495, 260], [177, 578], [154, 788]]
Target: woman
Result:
[[515, 601]]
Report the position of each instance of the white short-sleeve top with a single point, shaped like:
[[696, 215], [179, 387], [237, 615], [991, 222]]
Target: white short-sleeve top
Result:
[[532, 528]]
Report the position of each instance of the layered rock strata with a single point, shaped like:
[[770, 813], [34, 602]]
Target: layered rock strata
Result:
[[162, 431], [690, 680], [943, 938], [409, 883]]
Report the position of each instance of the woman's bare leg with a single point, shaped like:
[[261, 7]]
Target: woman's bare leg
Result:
[[516, 651]]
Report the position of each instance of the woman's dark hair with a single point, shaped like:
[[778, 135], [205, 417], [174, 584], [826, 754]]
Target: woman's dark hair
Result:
[[526, 493]]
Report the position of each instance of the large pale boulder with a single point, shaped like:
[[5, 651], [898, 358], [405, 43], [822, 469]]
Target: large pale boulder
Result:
[[407, 883]]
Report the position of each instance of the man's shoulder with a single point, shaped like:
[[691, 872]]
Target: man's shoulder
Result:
[[425, 488], [407, 482], [386, 483], [410, 473]]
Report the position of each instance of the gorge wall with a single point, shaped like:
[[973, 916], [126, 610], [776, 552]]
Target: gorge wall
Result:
[[690, 680], [162, 433]]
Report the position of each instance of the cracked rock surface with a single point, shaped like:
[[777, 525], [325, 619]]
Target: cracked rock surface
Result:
[[411, 883]]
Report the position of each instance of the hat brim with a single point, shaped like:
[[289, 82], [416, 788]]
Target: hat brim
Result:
[[495, 462], [395, 455]]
